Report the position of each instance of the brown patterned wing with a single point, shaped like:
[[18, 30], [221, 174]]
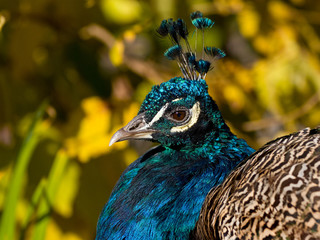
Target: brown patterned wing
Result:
[[275, 194]]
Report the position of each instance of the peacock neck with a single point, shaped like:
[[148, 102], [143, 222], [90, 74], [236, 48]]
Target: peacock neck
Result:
[[188, 174], [219, 148], [160, 195]]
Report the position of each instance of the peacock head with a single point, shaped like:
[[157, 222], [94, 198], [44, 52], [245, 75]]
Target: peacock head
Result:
[[178, 112]]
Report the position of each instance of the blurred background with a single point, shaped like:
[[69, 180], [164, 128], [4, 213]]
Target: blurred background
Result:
[[73, 72]]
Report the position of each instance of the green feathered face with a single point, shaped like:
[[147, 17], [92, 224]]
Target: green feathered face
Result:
[[175, 113]]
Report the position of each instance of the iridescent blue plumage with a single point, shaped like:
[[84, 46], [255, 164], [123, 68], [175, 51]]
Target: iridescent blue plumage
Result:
[[186, 59], [202, 23], [182, 28], [159, 196], [202, 66], [196, 14], [173, 52], [214, 52]]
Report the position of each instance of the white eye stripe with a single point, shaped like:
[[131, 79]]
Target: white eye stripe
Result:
[[177, 99], [159, 114], [195, 112]]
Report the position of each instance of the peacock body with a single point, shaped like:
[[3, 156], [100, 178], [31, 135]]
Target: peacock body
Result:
[[202, 182], [275, 194], [159, 196]]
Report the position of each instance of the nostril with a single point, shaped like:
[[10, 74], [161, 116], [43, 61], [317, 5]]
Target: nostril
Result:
[[132, 128], [136, 125]]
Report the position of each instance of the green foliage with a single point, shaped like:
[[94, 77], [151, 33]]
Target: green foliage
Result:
[[15, 185], [48, 196], [95, 61]]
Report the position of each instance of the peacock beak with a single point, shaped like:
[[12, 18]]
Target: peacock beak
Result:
[[137, 128]]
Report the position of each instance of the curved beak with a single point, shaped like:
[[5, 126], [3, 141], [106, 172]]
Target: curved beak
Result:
[[137, 128]]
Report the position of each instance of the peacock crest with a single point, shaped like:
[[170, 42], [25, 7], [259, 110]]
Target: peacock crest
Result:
[[192, 67]]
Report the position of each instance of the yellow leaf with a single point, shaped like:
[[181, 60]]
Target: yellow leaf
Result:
[[279, 10], [54, 233], [94, 147], [129, 35], [249, 21], [67, 190], [92, 138], [262, 44], [116, 53], [122, 11], [2, 21], [96, 131], [235, 97]]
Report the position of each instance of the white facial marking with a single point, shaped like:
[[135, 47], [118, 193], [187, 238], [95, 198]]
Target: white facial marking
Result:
[[177, 99], [195, 112], [159, 114]]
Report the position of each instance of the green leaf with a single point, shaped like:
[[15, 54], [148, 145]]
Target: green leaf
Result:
[[7, 226], [54, 180]]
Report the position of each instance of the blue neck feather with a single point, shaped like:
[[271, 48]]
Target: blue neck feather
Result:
[[160, 195], [170, 187]]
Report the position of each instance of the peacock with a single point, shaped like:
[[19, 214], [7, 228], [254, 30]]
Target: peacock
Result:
[[202, 181]]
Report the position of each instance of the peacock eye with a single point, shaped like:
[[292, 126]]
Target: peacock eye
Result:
[[179, 115]]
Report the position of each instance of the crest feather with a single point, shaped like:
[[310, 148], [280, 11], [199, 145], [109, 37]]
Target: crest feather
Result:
[[191, 67]]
